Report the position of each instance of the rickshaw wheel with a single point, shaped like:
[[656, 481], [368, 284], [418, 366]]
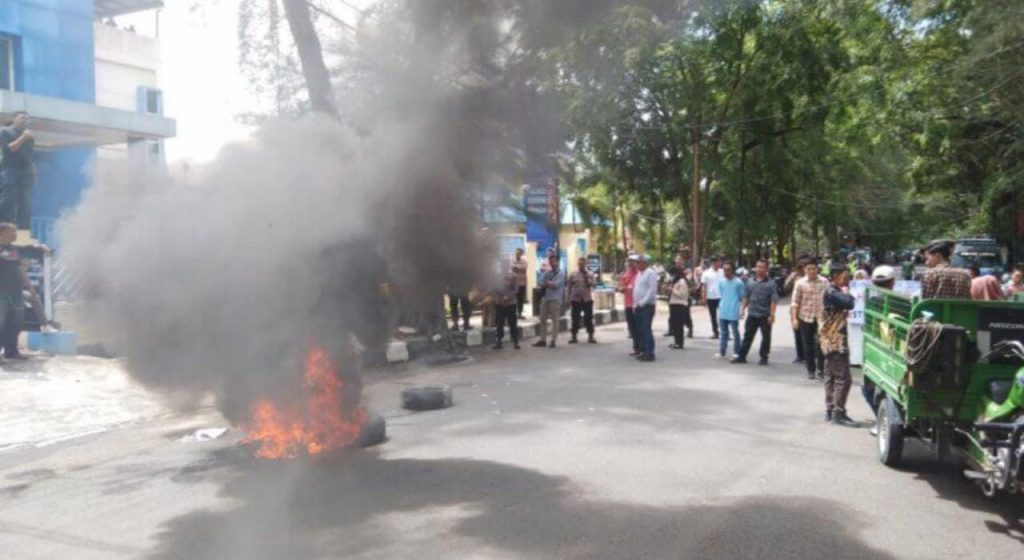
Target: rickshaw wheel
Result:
[[890, 433]]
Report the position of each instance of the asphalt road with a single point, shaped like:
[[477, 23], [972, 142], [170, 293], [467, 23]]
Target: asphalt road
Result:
[[568, 453]]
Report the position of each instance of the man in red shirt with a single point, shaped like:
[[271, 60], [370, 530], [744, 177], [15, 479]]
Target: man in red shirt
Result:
[[626, 287]]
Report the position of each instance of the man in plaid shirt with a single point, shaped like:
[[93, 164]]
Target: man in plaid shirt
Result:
[[805, 313], [943, 281]]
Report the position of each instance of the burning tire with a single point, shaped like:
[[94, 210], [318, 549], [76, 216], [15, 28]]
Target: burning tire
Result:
[[431, 397]]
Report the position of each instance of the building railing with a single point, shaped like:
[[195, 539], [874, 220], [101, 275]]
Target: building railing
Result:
[[125, 47], [43, 231]]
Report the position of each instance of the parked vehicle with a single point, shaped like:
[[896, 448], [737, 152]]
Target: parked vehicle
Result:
[[982, 252], [950, 373]]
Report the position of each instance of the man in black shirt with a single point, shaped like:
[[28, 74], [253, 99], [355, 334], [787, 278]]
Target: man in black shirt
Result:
[[17, 173], [12, 299]]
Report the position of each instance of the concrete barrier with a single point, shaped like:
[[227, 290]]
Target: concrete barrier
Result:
[[474, 337], [397, 352]]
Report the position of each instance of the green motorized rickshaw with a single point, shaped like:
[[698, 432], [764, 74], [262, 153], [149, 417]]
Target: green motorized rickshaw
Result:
[[950, 373]]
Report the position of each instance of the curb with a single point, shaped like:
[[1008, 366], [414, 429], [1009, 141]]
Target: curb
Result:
[[401, 351]]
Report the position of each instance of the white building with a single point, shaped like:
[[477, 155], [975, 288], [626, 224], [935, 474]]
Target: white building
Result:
[[127, 78], [90, 88]]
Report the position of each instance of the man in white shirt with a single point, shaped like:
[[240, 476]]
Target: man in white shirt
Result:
[[645, 300], [712, 295]]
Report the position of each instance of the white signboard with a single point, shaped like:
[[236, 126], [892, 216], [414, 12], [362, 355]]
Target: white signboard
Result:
[[910, 288], [858, 289]]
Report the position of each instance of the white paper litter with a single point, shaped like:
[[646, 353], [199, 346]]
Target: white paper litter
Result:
[[205, 434]]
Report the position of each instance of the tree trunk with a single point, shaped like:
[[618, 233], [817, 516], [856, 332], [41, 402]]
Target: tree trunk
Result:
[[314, 69]]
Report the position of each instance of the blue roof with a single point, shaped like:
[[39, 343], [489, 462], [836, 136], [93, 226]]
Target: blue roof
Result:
[[494, 214], [503, 214]]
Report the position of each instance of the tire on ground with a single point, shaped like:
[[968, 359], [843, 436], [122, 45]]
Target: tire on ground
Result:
[[374, 430], [890, 433], [430, 397]]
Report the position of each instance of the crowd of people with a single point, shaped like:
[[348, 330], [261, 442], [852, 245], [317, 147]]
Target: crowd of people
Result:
[[820, 306], [819, 309]]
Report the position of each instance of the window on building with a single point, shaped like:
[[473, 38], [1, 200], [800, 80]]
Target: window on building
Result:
[[153, 101], [6, 63]]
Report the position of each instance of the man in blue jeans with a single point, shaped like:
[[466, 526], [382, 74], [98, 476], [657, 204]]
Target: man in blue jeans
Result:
[[645, 300], [731, 290]]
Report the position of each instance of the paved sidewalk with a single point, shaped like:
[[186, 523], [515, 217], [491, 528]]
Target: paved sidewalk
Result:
[[46, 400]]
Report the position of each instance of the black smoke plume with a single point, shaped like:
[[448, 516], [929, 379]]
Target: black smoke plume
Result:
[[323, 231]]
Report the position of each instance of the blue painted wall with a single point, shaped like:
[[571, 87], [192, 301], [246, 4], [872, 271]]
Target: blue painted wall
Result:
[[55, 58], [55, 54]]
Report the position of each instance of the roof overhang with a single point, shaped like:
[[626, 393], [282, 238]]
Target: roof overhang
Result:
[[60, 123], [110, 8]]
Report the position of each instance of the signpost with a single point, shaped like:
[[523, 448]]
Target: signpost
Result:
[[542, 212], [594, 265]]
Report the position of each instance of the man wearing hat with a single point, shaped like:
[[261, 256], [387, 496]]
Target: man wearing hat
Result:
[[645, 300], [942, 281]]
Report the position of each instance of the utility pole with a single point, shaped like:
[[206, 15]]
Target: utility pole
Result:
[[743, 191], [696, 226]]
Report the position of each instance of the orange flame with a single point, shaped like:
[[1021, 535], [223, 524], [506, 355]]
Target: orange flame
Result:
[[317, 425]]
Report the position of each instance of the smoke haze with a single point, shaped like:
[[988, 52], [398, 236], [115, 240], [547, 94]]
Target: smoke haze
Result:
[[219, 280]]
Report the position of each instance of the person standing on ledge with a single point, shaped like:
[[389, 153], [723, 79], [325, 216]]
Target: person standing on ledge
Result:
[[17, 172]]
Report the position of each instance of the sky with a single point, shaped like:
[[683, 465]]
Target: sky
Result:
[[202, 87]]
